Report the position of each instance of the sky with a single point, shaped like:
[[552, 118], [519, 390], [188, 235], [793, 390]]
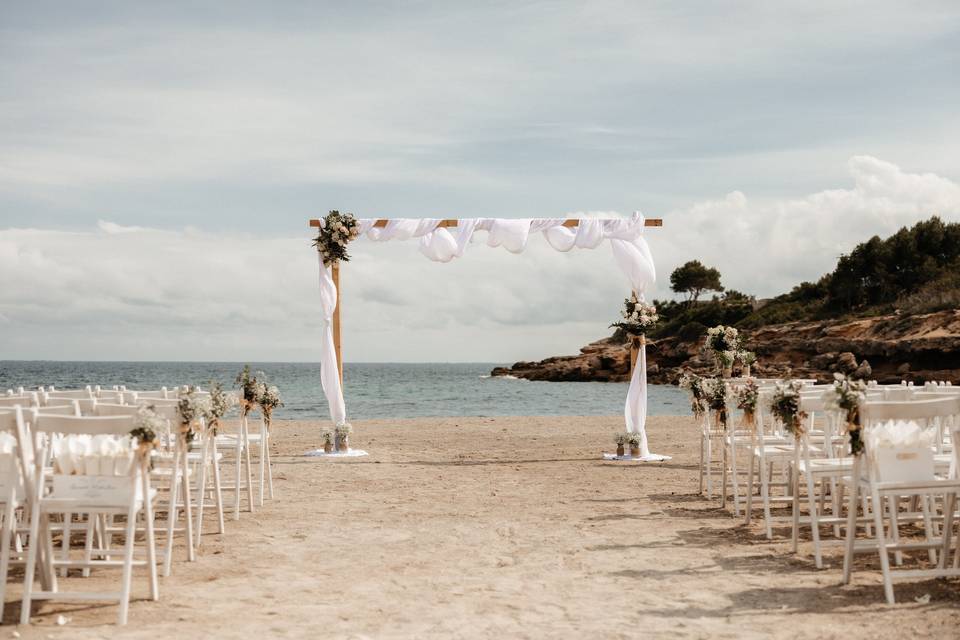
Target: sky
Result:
[[159, 161]]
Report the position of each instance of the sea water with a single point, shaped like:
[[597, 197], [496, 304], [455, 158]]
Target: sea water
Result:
[[371, 390]]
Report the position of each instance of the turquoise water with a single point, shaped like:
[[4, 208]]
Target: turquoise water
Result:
[[391, 390]]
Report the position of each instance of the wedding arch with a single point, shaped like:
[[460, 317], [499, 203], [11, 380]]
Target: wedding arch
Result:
[[438, 243]]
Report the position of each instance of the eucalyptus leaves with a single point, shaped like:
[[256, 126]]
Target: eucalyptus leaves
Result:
[[338, 230]]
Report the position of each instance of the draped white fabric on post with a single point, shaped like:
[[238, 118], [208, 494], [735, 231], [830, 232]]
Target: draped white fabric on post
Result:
[[329, 374], [630, 252]]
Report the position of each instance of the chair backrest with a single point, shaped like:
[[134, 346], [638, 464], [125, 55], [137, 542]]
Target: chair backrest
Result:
[[917, 410], [76, 393], [109, 395], [92, 425], [26, 401], [109, 409], [70, 409], [12, 479]]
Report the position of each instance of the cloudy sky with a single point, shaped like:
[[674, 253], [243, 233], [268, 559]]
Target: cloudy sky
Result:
[[158, 161]]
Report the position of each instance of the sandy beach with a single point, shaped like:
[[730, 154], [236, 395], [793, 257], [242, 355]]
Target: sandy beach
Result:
[[500, 527]]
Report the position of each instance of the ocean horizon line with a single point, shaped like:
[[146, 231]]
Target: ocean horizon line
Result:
[[251, 362]]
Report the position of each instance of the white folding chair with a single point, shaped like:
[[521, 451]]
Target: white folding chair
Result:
[[911, 474], [129, 496], [12, 498]]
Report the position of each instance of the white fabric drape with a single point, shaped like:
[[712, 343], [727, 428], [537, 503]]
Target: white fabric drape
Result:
[[630, 252], [329, 374]]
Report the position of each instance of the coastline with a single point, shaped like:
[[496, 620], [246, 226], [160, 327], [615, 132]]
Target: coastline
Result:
[[483, 527]]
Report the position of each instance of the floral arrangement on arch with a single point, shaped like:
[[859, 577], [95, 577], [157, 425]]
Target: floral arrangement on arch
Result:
[[337, 231], [638, 316], [846, 396], [747, 396], [698, 395], [785, 405]]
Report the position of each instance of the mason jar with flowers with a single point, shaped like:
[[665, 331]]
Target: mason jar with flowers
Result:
[[342, 436]]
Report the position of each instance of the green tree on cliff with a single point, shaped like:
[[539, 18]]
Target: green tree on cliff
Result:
[[693, 278]]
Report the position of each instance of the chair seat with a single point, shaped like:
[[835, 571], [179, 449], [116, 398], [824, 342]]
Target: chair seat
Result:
[[230, 439], [52, 504], [828, 465]]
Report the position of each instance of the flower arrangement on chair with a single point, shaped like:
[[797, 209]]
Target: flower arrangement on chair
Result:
[[723, 344], [785, 405], [698, 396], [221, 402], [338, 230], [146, 424], [747, 395], [846, 396], [717, 395], [251, 390], [268, 401], [191, 409], [638, 317]]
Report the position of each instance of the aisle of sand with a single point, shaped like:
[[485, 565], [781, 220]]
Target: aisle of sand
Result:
[[509, 527]]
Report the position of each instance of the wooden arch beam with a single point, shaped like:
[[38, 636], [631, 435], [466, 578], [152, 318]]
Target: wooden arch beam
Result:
[[453, 222]]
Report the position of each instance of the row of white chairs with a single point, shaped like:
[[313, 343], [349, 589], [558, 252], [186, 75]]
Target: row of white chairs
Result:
[[182, 479], [818, 465]]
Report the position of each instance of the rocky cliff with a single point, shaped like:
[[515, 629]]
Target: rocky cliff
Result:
[[887, 348]]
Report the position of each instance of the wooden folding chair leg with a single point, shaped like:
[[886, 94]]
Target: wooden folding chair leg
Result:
[[893, 504], [202, 490], [851, 525], [172, 511], [127, 572], [65, 542], [216, 487], [5, 538], [882, 547], [187, 509], [88, 543], [266, 452], [26, 602], [151, 539]]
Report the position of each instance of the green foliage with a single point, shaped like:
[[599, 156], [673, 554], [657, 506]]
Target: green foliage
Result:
[[693, 278], [689, 317], [880, 272], [915, 270]]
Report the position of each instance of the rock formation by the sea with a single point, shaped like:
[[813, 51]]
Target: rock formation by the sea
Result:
[[887, 348]]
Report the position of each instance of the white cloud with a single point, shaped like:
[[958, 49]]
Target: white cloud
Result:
[[766, 247], [137, 293]]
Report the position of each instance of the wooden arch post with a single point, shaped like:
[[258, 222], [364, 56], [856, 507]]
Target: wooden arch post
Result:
[[451, 222]]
